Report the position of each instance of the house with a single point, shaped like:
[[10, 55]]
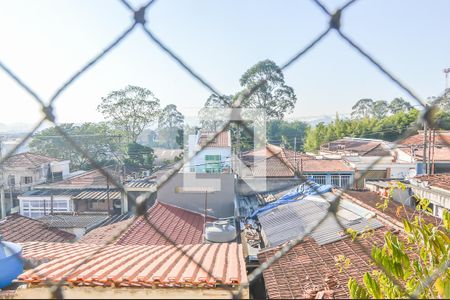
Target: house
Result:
[[77, 224], [165, 156], [19, 229], [20, 172], [281, 167], [88, 192], [438, 151], [372, 157], [215, 157], [435, 188], [156, 271]]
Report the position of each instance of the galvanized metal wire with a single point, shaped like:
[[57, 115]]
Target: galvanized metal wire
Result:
[[139, 21]]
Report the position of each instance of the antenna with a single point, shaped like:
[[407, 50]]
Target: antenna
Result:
[[446, 71]]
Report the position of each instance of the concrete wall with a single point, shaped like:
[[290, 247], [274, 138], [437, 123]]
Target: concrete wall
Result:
[[90, 292], [188, 190]]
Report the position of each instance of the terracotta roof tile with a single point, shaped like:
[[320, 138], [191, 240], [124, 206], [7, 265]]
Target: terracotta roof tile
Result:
[[90, 179], [308, 267], [413, 146], [178, 225], [104, 234], [282, 162], [28, 160], [364, 147], [222, 139], [140, 266], [17, 228], [437, 180]]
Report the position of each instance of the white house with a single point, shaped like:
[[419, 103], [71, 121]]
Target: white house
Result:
[[214, 158]]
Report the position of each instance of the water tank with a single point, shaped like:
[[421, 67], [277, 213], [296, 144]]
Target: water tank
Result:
[[221, 231], [11, 264]]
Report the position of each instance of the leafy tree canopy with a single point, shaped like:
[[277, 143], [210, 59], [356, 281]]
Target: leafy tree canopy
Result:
[[170, 126]]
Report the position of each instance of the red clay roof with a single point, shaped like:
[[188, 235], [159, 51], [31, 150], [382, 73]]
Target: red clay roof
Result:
[[90, 179], [17, 228], [105, 234], [364, 147], [222, 139], [437, 180], [177, 225], [413, 145], [309, 268], [394, 213], [28, 160], [140, 266], [282, 162]]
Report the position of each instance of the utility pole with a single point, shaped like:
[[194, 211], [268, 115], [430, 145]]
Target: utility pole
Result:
[[2, 188], [107, 195], [295, 153], [446, 71], [425, 129], [206, 207]]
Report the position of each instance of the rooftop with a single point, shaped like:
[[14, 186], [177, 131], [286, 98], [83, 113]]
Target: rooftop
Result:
[[363, 147], [222, 140], [91, 179], [138, 266], [28, 160], [17, 228], [105, 234], [413, 145], [165, 224], [74, 220], [309, 269], [436, 180], [280, 162]]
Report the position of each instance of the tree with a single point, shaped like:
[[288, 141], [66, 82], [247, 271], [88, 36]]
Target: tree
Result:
[[212, 118], [410, 261], [270, 91], [169, 123], [398, 105], [98, 140], [278, 130], [363, 108], [139, 156], [380, 109], [130, 110]]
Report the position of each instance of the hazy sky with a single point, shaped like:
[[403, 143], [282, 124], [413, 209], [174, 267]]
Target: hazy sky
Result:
[[45, 42]]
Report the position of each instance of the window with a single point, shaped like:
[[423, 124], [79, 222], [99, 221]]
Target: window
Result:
[[320, 179], [26, 179], [336, 180], [96, 204], [56, 176], [38, 208], [341, 181], [345, 181], [11, 180], [213, 164]]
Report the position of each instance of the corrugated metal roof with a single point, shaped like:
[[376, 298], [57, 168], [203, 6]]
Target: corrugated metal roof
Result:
[[49, 192], [98, 195], [140, 183], [61, 220], [140, 266], [294, 220]]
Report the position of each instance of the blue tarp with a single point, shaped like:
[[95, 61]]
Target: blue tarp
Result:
[[305, 189]]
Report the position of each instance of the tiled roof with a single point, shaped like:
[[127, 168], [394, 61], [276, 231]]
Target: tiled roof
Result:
[[17, 228], [177, 225], [140, 183], [28, 160], [222, 140], [70, 220], [105, 234], [280, 162], [436, 180], [91, 179], [142, 266], [98, 194], [309, 268], [394, 212], [364, 147], [413, 146]]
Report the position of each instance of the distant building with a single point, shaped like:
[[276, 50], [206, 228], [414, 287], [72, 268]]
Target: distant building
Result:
[[435, 188], [215, 157], [374, 158], [411, 150]]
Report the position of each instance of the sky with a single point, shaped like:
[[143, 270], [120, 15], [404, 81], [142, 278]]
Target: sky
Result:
[[45, 42]]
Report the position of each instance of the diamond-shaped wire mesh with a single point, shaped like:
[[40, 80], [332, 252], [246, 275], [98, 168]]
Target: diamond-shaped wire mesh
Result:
[[139, 23]]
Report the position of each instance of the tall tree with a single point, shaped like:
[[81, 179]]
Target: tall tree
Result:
[[130, 110], [380, 109], [139, 156], [363, 108], [169, 123], [270, 91], [98, 140], [399, 104], [211, 116]]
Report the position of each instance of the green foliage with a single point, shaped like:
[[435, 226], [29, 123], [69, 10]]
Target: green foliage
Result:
[[283, 132], [130, 110], [170, 123], [99, 140], [269, 90], [139, 156], [407, 264], [388, 128]]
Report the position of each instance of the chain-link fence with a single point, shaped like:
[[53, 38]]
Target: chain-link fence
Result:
[[139, 23]]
